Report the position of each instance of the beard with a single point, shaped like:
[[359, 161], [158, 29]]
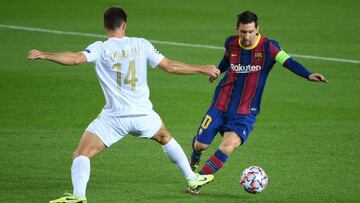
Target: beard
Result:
[[246, 42]]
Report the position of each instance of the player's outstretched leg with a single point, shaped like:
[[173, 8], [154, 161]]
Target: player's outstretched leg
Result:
[[195, 160], [194, 185], [90, 145], [195, 157], [69, 198]]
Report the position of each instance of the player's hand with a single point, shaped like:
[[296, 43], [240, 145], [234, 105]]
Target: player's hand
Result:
[[35, 54], [212, 71], [317, 77], [212, 79]]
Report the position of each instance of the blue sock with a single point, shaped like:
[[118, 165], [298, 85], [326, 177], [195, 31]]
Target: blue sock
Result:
[[215, 163], [223, 157]]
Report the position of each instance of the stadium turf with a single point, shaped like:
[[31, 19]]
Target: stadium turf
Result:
[[306, 137]]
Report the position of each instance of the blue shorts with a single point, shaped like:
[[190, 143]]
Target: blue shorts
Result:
[[217, 121]]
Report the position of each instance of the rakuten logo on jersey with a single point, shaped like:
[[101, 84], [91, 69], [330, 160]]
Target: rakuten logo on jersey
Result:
[[245, 69]]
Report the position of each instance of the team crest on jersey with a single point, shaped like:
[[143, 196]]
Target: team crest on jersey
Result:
[[258, 56]]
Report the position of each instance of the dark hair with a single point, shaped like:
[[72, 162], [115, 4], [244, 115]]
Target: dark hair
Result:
[[114, 17], [247, 17]]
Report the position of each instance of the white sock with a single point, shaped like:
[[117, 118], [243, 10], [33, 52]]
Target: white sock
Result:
[[176, 154], [80, 173]]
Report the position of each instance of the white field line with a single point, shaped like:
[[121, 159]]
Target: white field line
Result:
[[14, 27]]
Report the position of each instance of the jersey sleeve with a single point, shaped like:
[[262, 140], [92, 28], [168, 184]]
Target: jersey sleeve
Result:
[[93, 51], [225, 61], [277, 53], [153, 55], [286, 61], [224, 64]]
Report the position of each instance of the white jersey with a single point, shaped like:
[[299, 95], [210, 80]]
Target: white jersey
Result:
[[121, 68]]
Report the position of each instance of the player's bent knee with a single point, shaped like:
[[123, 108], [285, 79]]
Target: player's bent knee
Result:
[[228, 148], [90, 145], [162, 136], [200, 146]]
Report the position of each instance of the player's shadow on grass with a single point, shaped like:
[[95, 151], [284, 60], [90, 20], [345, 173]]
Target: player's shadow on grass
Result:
[[225, 195], [182, 196]]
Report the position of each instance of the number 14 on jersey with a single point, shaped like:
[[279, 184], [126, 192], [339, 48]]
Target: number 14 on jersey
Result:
[[130, 77]]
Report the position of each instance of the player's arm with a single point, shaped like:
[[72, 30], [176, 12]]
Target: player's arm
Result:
[[299, 69], [64, 58], [225, 61], [178, 67], [286, 61], [223, 66]]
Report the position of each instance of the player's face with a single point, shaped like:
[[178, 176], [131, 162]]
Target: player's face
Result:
[[248, 34]]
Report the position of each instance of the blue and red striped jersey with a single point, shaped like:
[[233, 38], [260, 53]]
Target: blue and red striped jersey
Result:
[[246, 71]]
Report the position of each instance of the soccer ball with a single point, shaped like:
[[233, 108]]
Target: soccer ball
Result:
[[254, 179]]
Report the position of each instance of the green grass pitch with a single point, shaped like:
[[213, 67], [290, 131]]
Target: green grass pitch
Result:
[[306, 137]]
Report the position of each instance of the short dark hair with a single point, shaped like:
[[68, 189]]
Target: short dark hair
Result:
[[247, 17], [114, 17]]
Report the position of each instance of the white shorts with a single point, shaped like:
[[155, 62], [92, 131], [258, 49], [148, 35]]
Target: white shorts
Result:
[[111, 129]]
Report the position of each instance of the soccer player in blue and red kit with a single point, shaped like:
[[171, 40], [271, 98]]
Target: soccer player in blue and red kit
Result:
[[247, 61]]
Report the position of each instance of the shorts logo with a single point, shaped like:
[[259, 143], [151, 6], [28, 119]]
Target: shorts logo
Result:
[[88, 51], [200, 131]]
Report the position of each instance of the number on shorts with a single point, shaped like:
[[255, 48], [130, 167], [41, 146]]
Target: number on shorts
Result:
[[206, 122]]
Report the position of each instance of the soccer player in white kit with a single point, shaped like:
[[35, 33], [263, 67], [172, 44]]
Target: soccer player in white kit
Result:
[[121, 68]]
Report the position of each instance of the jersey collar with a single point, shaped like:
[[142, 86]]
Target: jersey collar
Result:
[[118, 39]]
